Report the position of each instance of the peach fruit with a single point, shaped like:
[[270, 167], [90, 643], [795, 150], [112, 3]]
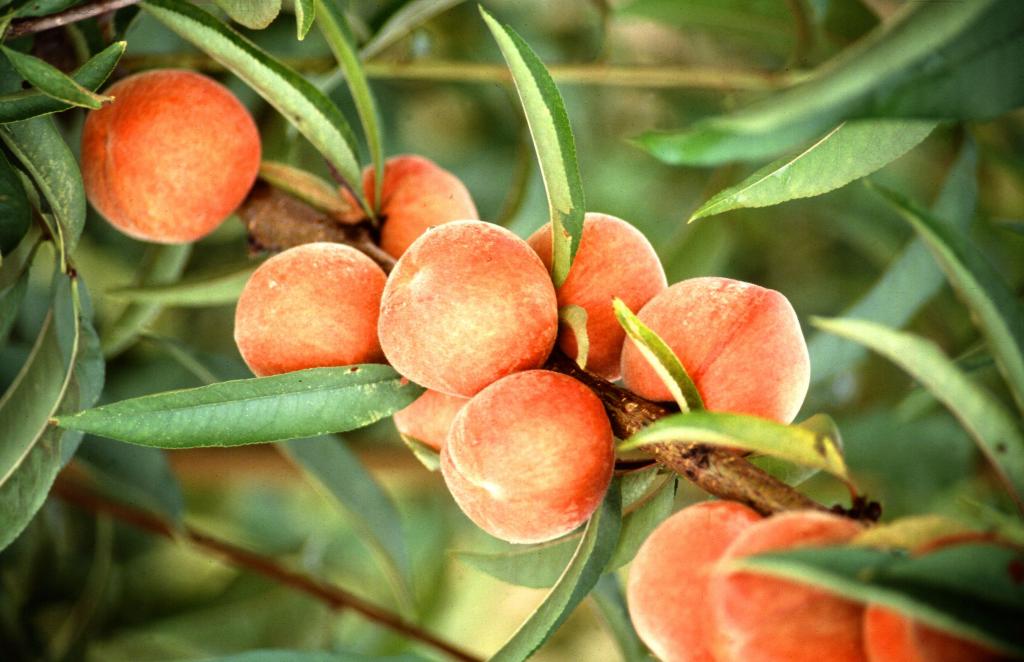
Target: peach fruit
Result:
[[467, 304], [416, 195], [668, 581], [766, 619], [529, 458], [614, 260], [892, 637], [428, 419], [740, 343], [312, 306], [171, 157]]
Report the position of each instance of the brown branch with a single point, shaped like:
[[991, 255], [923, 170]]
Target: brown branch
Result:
[[336, 598], [80, 13]]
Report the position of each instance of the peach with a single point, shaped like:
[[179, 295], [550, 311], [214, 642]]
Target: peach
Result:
[[668, 581], [312, 306], [614, 260], [740, 343], [428, 419], [416, 195], [766, 619], [171, 157], [892, 637], [467, 304], [529, 458]]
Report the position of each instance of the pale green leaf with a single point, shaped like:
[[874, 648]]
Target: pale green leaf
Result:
[[253, 14], [402, 22], [305, 14], [216, 287], [305, 186], [52, 82], [575, 317]]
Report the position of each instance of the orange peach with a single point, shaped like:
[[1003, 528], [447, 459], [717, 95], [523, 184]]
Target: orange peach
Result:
[[668, 581], [766, 619], [529, 458], [892, 637], [614, 260], [740, 343], [416, 195], [467, 304], [171, 157], [312, 306], [428, 419]]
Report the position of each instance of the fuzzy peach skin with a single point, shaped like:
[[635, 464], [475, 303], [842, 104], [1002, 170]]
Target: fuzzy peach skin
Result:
[[614, 260], [416, 194], [765, 619], [529, 458], [171, 157], [312, 306], [740, 343], [892, 637], [667, 591], [428, 419], [467, 304]]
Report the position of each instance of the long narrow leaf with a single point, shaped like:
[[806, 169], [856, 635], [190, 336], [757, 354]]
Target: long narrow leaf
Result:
[[53, 82]]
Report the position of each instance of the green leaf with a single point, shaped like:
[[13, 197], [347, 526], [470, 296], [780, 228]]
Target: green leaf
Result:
[[159, 265], [910, 532], [764, 23], [789, 472], [271, 655], [304, 186], [580, 576], [926, 63], [14, 280], [427, 456], [402, 22], [253, 14], [981, 414], [216, 287], [38, 145], [848, 152], [137, 475], [660, 357], [336, 32], [575, 317], [339, 474], [297, 404], [640, 522], [970, 591], [553, 140], [298, 100], [612, 603], [52, 81], [15, 212], [305, 13], [994, 306], [910, 280], [811, 448]]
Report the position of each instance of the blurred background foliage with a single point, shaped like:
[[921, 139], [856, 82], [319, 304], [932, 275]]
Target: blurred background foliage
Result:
[[83, 587]]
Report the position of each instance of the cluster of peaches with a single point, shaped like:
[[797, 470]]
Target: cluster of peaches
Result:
[[469, 311]]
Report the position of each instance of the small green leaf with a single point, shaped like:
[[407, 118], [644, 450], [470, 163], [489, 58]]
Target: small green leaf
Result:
[[999, 315], [137, 475], [15, 211], [217, 287], [910, 532], [253, 14], [427, 456], [408, 17], [298, 100], [305, 186], [971, 591], [305, 14], [812, 448], [297, 404], [848, 152], [52, 81], [612, 603], [553, 140], [339, 474], [660, 357], [575, 317], [791, 473], [579, 578], [336, 32], [992, 426]]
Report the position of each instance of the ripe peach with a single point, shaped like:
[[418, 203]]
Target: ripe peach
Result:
[[740, 343], [614, 260], [467, 304], [766, 619], [529, 458], [892, 637], [428, 419], [171, 157], [416, 194], [312, 306], [668, 581]]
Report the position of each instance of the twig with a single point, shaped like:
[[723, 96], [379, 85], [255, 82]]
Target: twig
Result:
[[80, 13], [336, 598]]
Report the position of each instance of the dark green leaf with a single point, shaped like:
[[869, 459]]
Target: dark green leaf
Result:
[[51, 81], [15, 212], [253, 14], [305, 14], [305, 403]]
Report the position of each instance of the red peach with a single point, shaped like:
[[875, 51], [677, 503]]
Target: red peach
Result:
[[171, 157], [614, 260], [529, 458], [428, 419], [766, 619], [668, 581], [892, 637], [740, 343], [312, 306], [467, 304]]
